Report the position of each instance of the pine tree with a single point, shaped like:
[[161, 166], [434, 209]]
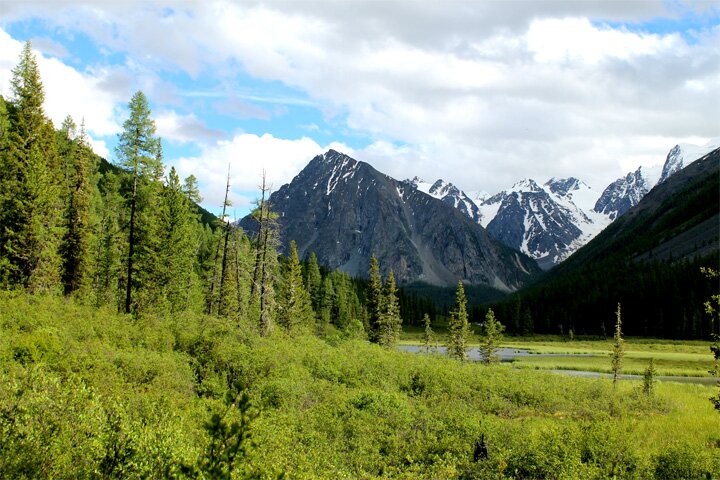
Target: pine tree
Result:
[[30, 204], [327, 303], [298, 312], [428, 334], [492, 330], [109, 242], [77, 240], [375, 305], [390, 323], [649, 378], [227, 227], [458, 328], [313, 281], [177, 243], [618, 348], [138, 152]]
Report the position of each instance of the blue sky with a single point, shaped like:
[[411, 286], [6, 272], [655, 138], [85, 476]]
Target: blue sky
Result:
[[481, 94]]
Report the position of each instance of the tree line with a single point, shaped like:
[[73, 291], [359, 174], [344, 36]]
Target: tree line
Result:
[[130, 235]]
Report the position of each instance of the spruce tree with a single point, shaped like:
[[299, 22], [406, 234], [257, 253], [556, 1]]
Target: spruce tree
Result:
[[390, 321], [492, 329], [375, 305], [77, 239], [30, 204], [109, 242], [138, 151], [313, 281], [618, 348], [649, 378], [428, 334], [298, 312], [458, 328], [177, 249]]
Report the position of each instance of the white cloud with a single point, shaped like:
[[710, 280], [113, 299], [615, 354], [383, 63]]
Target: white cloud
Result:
[[248, 156], [67, 91], [183, 129], [482, 93]]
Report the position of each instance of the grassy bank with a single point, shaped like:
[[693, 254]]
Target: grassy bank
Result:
[[88, 393]]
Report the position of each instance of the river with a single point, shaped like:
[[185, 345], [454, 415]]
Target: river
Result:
[[508, 354]]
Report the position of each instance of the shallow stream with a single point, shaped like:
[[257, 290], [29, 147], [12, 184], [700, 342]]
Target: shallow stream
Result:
[[508, 354]]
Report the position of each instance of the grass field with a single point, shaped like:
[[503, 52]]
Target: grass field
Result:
[[88, 393]]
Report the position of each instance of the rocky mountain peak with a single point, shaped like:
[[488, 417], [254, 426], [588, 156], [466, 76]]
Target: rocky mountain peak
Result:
[[346, 211], [563, 186]]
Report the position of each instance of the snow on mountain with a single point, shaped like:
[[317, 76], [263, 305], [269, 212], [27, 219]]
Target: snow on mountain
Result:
[[547, 222], [450, 194], [626, 192], [684, 154]]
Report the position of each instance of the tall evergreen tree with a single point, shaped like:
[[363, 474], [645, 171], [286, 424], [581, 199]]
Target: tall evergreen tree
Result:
[[138, 151], [618, 348], [298, 314], [313, 281], [458, 328], [492, 329], [390, 321], [374, 301], [77, 239], [227, 227], [428, 333], [30, 205], [177, 249], [109, 242]]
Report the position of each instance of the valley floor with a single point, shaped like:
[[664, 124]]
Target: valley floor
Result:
[[87, 393]]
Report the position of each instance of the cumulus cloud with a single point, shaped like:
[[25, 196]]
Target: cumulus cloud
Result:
[[247, 156], [67, 91], [481, 93], [182, 129]]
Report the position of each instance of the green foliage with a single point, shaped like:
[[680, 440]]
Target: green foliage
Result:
[[492, 330], [230, 441], [30, 228], [375, 306], [458, 328], [648, 386], [297, 315], [428, 338], [86, 392]]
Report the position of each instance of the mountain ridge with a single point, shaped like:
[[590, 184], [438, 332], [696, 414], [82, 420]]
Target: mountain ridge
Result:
[[344, 210]]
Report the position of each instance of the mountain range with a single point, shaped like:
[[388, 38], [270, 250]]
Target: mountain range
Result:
[[649, 260], [346, 211], [550, 221]]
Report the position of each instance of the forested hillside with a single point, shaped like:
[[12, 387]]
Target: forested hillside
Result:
[[131, 236]]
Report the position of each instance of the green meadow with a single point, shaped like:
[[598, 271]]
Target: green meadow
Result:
[[89, 393]]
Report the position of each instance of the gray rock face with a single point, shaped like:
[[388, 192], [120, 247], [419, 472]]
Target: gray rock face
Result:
[[624, 193], [346, 211], [450, 194], [531, 220]]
